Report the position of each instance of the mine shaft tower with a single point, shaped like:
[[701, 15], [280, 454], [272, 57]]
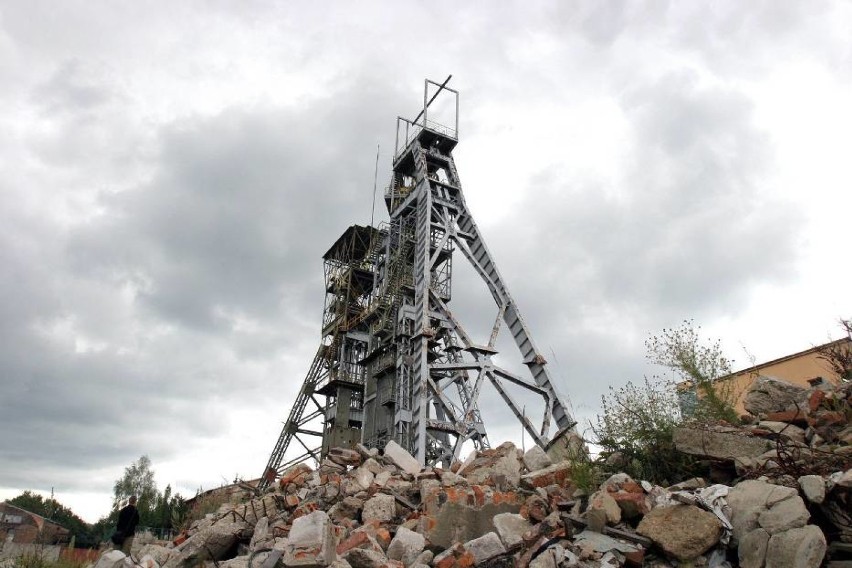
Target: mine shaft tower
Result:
[[394, 362]]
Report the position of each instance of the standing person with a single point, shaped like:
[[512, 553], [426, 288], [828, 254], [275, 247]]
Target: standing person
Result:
[[128, 518]]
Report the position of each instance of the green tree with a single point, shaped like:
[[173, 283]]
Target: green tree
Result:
[[138, 479], [700, 364], [52, 509]]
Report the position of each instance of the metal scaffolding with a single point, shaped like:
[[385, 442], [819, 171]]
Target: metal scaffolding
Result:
[[394, 356]]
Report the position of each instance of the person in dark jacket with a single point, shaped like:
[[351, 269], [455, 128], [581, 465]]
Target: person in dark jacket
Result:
[[128, 518]]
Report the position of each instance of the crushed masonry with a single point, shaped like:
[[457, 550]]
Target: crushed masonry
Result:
[[787, 506]]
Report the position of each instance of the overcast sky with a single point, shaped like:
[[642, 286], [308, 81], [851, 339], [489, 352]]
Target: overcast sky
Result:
[[171, 174]]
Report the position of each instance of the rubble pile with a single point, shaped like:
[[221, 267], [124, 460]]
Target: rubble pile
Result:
[[362, 508]]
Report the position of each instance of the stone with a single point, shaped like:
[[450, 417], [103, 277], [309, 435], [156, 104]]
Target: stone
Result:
[[344, 456], [752, 549], [381, 507], [784, 429], [719, 444], [485, 548], [493, 465], [787, 514], [363, 478], [557, 474], [813, 486], [604, 543], [768, 394], [796, 548], [510, 527], [364, 558], [536, 458], [311, 541], [260, 534], [748, 499], [567, 445], [111, 559], [406, 546], [457, 556], [160, 554], [683, 531], [459, 514], [401, 458], [348, 508], [550, 558], [209, 543], [604, 501], [595, 520]]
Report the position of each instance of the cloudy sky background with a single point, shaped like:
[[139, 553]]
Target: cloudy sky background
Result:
[[171, 174]]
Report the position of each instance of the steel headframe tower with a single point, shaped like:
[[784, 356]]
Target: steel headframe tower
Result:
[[424, 371], [332, 394], [420, 375]]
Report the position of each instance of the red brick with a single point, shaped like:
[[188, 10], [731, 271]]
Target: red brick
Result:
[[355, 540], [816, 399]]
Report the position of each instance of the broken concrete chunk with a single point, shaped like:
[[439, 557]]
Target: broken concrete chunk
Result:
[[401, 458], [510, 528], [381, 507], [768, 394], [683, 531], [731, 444], [752, 549], [535, 459], [485, 548], [813, 486], [788, 514], [406, 546], [557, 474], [797, 548], [111, 559], [311, 542]]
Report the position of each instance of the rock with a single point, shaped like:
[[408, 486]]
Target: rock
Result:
[[491, 466], [210, 543], [510, 528], [728, 444], [768, 394], [485, 548], [752, 549], [749, 499], [311, 541], [160, 554], [111, 559], [459, 514], [364, 478], [784, 429], [381, 507], [550, 558], [535, 459], [787, 514], [401, 458], [344, 456], [457, 556], [813, 486], [796, 548], [557, 474], [406, 546], [684, 531], [364, 558], [604, 543], [604, 501]]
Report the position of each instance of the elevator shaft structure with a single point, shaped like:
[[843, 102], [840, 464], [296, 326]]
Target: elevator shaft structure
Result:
[[422, 374]]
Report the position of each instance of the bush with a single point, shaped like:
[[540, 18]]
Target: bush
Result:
[[635, 432]]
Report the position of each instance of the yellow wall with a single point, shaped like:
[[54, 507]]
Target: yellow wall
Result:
[[797, 369]]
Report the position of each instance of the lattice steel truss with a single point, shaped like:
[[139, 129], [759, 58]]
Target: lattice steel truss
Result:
[[421, 373]]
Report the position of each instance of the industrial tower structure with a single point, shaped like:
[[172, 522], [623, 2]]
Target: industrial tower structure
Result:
[[395, 363]]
